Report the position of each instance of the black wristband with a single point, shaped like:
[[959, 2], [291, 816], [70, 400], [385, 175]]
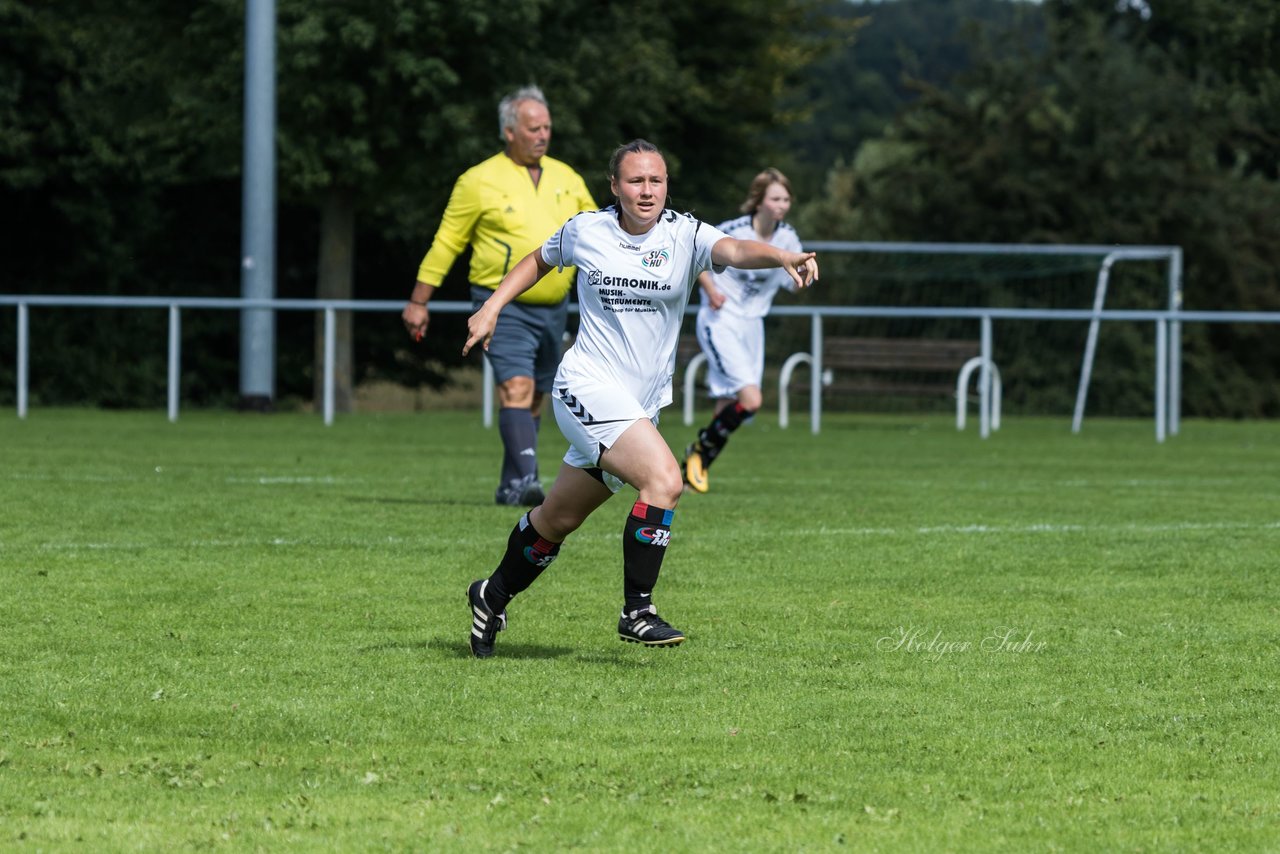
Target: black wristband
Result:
[[415, 302]]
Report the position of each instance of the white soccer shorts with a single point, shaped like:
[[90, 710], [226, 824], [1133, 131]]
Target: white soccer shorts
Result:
[[592, 417], [734, 347]]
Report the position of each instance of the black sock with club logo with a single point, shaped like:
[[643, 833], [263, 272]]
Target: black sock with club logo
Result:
[[644, 544], [526, 556]]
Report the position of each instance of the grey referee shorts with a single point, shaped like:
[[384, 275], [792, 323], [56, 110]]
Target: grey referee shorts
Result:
[[527, 340]]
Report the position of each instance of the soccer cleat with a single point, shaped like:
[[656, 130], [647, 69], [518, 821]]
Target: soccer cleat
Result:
[[646, 627], [485, 624], [532, 495], [695, 470], [525, 492]]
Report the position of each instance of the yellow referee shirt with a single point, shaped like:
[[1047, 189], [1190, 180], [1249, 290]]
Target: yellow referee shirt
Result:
[[496, 208]]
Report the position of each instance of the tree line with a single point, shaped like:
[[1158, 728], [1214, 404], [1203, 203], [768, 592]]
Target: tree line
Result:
[[1072, 121]]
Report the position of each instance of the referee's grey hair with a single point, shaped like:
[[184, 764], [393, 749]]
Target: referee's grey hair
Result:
[[507, 107]]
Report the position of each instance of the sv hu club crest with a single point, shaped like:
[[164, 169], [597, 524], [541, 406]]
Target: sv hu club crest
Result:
[[656, 258]]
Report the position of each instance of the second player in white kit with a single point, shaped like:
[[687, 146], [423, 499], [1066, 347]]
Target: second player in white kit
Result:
[[637, 264], [731, 321], [731, 333]]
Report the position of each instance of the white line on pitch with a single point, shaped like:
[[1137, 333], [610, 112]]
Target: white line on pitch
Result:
[[963, 530], [261, 480], [1041, 528]]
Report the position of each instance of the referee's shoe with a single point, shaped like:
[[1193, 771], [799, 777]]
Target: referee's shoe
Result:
[[646, 627], [485, 624], [521, 492]]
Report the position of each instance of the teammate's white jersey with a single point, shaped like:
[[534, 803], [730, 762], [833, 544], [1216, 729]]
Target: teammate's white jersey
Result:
[[632, 293], [750, 293]]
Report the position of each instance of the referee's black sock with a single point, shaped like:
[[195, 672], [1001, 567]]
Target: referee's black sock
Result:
[[526, 556], [715, 435], [644, 544], [537, 428], [519, 434]]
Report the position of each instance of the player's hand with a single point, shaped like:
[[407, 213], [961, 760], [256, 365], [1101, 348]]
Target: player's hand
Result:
[[803, 268], [480, 328], [415, 317], [715, 298]]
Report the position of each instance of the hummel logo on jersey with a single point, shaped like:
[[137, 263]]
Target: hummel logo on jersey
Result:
[[625, 245], [654, 536], [656, 258]]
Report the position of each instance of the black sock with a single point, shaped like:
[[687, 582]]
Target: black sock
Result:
[[537, 428], [715, 435], [526, 556], [519, 443], [644, 544]]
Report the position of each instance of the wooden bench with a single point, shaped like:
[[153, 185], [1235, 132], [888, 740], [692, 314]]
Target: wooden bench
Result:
[[917, 367], [941, 366], [886, 367]]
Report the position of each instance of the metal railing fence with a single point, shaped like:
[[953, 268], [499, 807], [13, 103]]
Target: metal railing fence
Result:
[[1166, 348]]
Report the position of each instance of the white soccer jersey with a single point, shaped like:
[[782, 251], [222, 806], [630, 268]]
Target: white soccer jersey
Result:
[[632, 293], [750, 293]]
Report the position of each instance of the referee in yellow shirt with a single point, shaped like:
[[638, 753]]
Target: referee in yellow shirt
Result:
[[505, 207]]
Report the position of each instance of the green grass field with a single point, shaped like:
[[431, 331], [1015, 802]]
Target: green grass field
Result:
[[244, 632]]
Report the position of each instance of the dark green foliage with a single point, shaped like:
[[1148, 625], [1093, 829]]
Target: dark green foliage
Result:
[[887, 50], [121, 144], [1120, 131]]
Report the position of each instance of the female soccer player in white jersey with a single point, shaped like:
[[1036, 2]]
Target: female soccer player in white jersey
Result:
[[637, 263], [731, 321]]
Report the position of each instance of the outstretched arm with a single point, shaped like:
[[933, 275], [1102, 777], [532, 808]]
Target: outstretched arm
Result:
[[522, 276], [754, 255]]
